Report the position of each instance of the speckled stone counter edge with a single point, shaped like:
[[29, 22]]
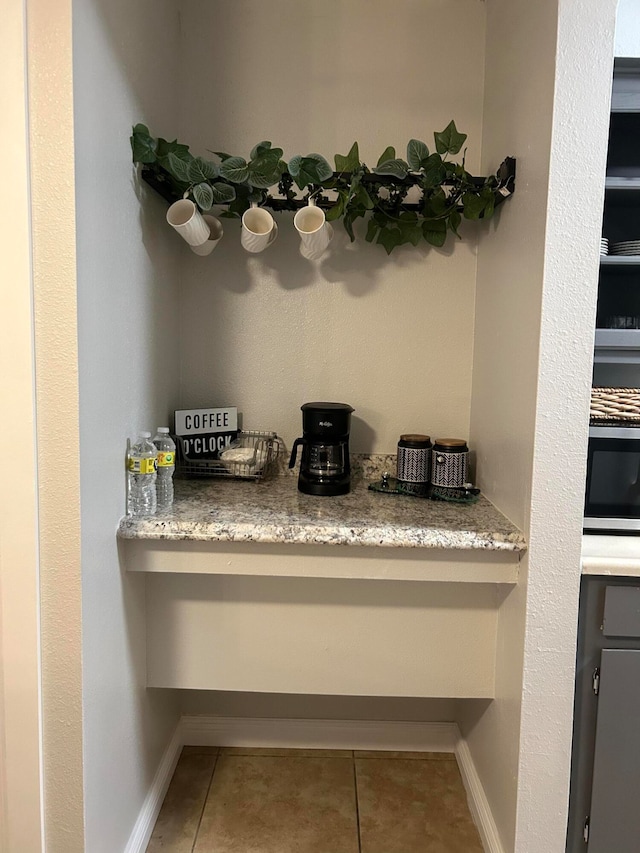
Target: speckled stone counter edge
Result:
[[261, 521]]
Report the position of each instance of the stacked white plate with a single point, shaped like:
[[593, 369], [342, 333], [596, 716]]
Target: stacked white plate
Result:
[[626, 247], [604, 246]]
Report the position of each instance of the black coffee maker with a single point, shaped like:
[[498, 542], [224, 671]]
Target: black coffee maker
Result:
[[325, 468]]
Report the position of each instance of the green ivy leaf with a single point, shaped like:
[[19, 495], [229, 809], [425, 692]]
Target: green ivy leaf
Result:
[[398, 168], [473, 205], [203, 195], [490, 202], [434, 171], [164, 148], [435, 204], [410, 229], [241, 202], [411, 233], [264, 171], [454, 222], [417, 154], [388, 154], [177, 167], [362, 198], [348, 224], [294, 165], [435, 231], [372, 230], [312, 169], [337, 210], [259, 149], [449, 141], [234, 169], [389, 237], [350, 163], [222, 193], [221, 154], [321, 166], [262, 178], [202, 170], [143, 145]]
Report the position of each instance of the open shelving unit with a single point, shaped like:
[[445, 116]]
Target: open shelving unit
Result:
[[617, 350]]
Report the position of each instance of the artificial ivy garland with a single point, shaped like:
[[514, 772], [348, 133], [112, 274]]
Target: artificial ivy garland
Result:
[[444, 191]]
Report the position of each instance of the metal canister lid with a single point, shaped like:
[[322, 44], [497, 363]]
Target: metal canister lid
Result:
[[451, 445], [413, 439]]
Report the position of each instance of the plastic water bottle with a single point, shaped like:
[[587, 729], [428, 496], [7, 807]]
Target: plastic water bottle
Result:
[[141, 473], [166, 467]]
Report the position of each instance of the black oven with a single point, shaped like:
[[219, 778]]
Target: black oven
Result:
[[612, 502]]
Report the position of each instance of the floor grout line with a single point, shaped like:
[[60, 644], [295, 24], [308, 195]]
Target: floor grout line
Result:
[[206, 798], [355, 785]]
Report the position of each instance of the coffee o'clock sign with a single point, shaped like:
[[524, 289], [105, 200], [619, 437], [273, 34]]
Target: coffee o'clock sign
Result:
[[203, 433]]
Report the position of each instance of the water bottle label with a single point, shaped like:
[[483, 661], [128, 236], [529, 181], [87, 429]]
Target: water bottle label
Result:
[[143, 466], [166, 458]]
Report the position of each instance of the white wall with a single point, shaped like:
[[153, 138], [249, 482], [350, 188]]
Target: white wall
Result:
[[537, 281], [628, 28], [393, 337], [125, 70]]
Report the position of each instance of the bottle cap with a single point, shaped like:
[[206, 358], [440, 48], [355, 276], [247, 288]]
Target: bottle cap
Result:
[[163, 429], [144, 434]]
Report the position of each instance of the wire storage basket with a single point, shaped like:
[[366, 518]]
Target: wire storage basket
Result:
[[615, 405], [252, 456]]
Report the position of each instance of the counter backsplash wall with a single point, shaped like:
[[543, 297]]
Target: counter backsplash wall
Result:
[[391, 336]]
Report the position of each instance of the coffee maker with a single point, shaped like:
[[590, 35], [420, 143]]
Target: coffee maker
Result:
[[325, 468]]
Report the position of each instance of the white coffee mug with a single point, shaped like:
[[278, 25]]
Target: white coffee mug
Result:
[[314, 230], [187, 220], [259, 229], [215, 235]]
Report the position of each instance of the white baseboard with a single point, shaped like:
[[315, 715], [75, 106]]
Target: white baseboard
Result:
[[316, 734], [139, 838], [478, 803], [319, 734]]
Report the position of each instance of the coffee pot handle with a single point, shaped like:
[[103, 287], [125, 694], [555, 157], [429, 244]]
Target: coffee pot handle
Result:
[[294, 450]]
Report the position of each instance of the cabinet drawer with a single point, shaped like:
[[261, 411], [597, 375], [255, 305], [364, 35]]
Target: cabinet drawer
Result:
[[621, 611]]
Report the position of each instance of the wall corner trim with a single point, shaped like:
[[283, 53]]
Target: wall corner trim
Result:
[[143, 827], [478, 802]]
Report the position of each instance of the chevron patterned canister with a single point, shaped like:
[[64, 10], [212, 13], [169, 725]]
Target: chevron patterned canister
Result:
[[414, 462], [450, 463]]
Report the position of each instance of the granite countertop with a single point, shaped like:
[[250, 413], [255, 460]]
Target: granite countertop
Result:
[[274, 511]]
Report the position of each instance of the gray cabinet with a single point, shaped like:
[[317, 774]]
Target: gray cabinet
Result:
[[604, 810]]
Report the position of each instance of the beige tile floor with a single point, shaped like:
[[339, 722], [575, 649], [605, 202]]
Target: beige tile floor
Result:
[[236, 800]]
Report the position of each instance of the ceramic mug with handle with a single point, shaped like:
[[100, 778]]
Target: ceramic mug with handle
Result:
[[215, 235], [186, 219], [259, 229], [314, 230]]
